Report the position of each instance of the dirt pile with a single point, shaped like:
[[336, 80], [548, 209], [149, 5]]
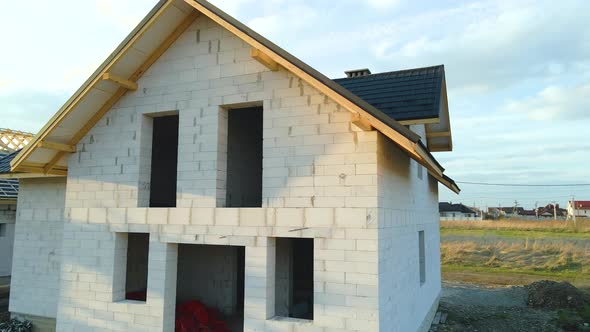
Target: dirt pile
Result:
[[556, 295]]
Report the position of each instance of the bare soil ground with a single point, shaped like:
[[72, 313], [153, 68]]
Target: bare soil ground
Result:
[[487, 264], [493, 309]]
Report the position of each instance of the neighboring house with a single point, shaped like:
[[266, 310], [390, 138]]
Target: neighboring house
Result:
[[203, 162], [550, 211], [580, 208], [505, 212], [8, 195], [10, 141], [450, 211]]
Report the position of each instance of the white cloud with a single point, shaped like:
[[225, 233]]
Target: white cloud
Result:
[[383, 4], [28, 110], [6, 84], [489, 44], [555, 102], [285, 22]]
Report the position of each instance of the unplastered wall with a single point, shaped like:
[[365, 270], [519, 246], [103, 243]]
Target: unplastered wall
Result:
[[7, 219], [313, 155], [209, 274], [37, 247], [345, 265], [314, 159], [408, 203]]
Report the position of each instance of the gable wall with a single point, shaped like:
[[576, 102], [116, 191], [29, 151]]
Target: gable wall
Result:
[[319, 181], [313, 156]]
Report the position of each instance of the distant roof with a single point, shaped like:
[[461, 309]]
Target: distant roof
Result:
[[582, 204], [506, 209], [403, 95], [8, 187], [448, 207], [11, 140], [5, 159]]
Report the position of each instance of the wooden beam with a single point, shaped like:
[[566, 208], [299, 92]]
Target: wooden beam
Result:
[[264, 59], [427, 161], [154, 56], [127, 84], [361, 122], [41, 165], [7, 201], [57, 146], [26, 175], [405, 143], [419, 121], [440, 149], [438, 134], [79, 95], [40, 170]]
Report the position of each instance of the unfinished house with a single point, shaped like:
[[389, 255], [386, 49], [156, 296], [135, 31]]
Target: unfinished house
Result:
[[10, 142], [205, 178]]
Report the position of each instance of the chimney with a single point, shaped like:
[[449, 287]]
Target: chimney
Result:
[[357, 73]]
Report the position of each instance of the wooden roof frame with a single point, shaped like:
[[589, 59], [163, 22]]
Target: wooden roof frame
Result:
[[263, 50], [12, 140]]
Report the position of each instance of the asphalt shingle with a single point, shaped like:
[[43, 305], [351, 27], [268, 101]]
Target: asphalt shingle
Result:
[[8, 187], [402, 95]]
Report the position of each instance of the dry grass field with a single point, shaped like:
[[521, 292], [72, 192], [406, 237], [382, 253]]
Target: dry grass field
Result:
[[516, 252], [581, 226]]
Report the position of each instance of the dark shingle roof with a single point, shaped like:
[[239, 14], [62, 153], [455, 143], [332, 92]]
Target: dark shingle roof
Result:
[[5, 160], [403, 95], [8, 187], [448, 207]]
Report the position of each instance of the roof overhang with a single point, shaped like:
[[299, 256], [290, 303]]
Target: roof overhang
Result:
[[146, 43], [438, 129]]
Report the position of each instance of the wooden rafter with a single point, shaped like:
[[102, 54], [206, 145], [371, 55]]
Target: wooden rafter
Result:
[[406, 141], [73, 102], [264, 59], [438, 134], [360, 122], [406, 144], [57, 146], [39, 170], [419, 121], [12, 140], [127, 84], [154, 56]]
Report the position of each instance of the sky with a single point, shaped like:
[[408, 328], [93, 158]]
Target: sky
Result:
[[518, 72]]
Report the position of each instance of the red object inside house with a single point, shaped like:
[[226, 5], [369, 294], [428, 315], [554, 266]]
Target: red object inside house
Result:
[[194, 316]]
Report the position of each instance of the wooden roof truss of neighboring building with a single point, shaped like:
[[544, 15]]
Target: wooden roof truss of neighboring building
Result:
[[12, 140]]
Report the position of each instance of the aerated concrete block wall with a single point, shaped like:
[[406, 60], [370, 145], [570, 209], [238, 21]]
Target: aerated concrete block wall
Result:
[[319, 181], [7, 220], [408, 203], [37, 247]]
